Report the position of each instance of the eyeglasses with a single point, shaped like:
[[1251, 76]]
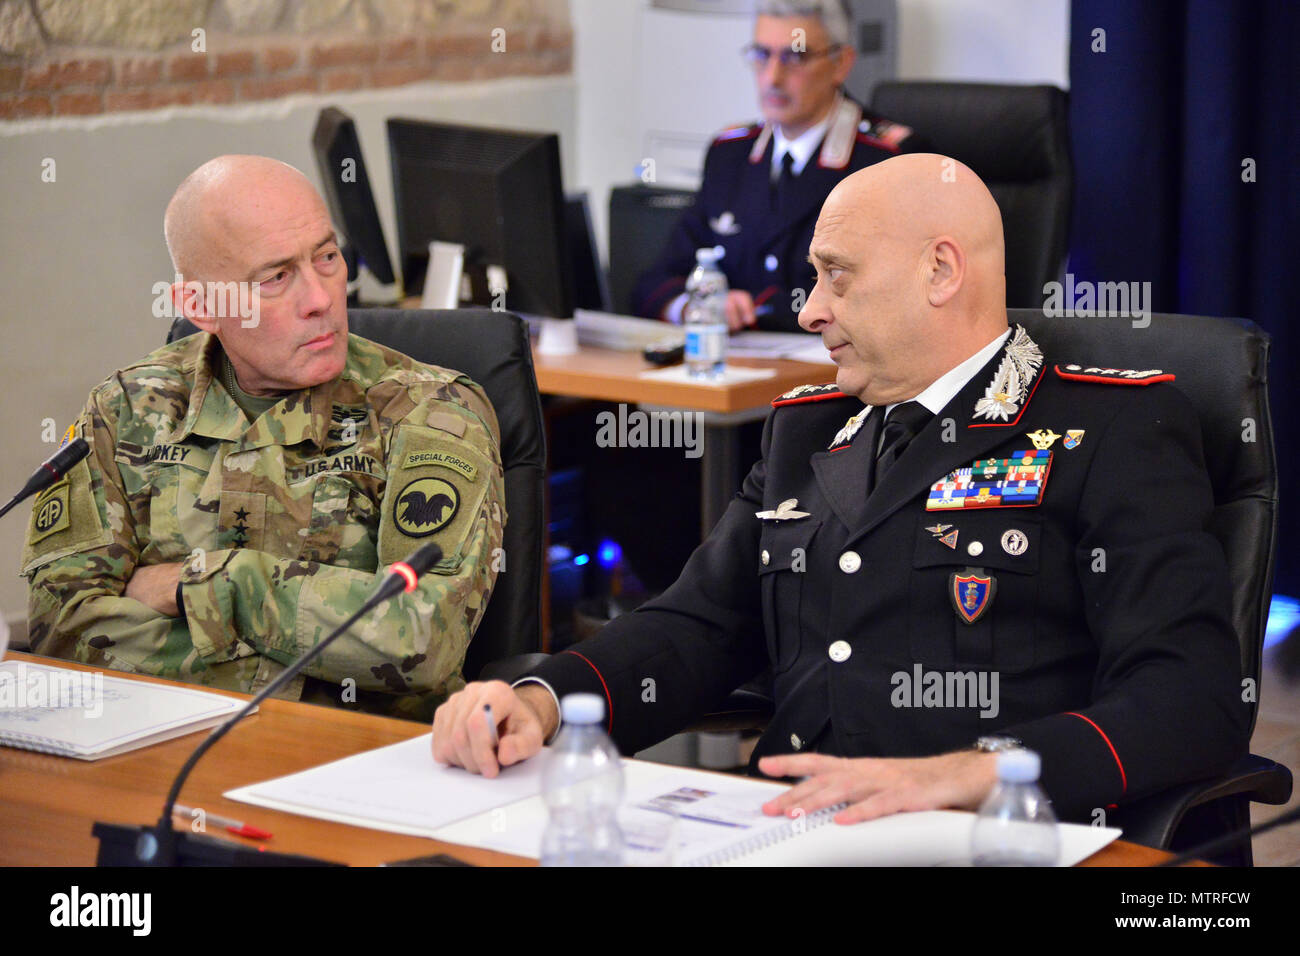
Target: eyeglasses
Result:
[[758, 56]]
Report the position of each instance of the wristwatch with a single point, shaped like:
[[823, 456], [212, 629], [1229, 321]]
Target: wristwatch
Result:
[[996, 743]]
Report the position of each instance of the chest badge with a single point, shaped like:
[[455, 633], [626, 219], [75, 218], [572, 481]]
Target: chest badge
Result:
[[1073, 436], [971, 592], [785, 511], [725, 224], [1043, 438], [1015, 542], [943, 535]]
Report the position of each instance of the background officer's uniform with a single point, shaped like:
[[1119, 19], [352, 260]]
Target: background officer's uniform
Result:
[[282, 525], [766, 224], [1104, 615]]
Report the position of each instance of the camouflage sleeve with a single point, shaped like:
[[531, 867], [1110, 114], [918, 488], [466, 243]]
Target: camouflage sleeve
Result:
[[445, 483], [80, 551]]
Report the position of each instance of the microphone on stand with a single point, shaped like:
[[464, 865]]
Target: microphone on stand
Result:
[[163, 845], [51, 470]]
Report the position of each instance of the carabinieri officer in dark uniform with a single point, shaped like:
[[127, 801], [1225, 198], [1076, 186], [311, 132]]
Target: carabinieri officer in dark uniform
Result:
[[1019, 550], [764, 183]]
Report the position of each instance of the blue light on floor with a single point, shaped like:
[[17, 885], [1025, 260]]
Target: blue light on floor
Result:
[[609, 554], [1283, 618]]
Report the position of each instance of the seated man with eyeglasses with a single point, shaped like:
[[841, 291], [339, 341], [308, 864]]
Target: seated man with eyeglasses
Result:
[[764, 183]]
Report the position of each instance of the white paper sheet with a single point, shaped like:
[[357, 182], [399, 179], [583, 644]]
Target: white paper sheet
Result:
[[399, 788], [732, 375]]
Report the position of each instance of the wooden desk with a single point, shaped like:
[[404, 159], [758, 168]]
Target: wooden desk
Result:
[[612, 376], [615, 377], [47, 804]]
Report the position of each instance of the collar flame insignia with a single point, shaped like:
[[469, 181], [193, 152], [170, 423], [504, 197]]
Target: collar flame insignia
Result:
[[785, 511], [851, 427], [1006, 393]]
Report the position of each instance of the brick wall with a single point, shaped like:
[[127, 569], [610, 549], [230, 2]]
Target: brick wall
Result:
[[48, 67]]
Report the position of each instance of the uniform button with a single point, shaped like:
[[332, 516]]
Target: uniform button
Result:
[[840, 651], [770, 263], [765, 558], [795, 742], [975, 549], [850, 562]]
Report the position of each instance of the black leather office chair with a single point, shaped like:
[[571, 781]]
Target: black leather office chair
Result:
[[1222, 366], [491, 348], [1016, 139]]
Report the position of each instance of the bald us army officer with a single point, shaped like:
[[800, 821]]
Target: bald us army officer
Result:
[[248, 485], [916, 555]]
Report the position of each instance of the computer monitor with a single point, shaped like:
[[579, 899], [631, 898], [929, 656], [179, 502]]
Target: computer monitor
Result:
[[348, 195], [495, 192], [590, 288]]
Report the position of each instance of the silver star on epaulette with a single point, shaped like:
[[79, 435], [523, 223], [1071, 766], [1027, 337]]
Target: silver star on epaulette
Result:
[[845, 434], [785, 511], [1010, 384]]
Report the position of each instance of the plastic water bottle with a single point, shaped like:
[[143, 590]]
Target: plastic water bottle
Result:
[[582, 786], [705, 316], [1016, 825]]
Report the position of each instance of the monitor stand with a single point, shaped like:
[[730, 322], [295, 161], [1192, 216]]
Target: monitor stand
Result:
[[558, 337], [442, 281]]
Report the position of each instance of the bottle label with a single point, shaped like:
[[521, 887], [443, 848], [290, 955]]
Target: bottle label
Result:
[[706, 343]]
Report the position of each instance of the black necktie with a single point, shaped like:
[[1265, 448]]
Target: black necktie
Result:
[[782, 186], [902, 425]]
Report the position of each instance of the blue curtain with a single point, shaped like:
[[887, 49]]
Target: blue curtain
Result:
[[1190, 100]]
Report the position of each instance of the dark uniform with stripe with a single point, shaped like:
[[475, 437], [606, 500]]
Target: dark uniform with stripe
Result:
[[1104, 619], [766, 232]]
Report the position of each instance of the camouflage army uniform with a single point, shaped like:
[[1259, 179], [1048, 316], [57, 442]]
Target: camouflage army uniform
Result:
[[281, 525]]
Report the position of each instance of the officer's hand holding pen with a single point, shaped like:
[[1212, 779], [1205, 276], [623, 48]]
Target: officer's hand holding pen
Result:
[[490, 725]]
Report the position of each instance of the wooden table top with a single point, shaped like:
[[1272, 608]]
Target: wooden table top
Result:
[[612, 376], [48, 803]]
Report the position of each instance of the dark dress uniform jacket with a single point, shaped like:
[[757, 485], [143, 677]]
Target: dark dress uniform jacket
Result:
[[766, 232], [1108, 631]]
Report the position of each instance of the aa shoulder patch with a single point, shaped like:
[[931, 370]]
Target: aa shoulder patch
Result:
[[50, 512], [1113, 376], [809, 393]]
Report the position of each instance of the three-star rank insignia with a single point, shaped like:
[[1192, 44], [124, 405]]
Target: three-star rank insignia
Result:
[[1073, 436], [424, 506], [971, 592], [1017, 481]]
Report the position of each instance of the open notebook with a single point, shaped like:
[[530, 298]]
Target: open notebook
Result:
[[89, 715], [711, 818]]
